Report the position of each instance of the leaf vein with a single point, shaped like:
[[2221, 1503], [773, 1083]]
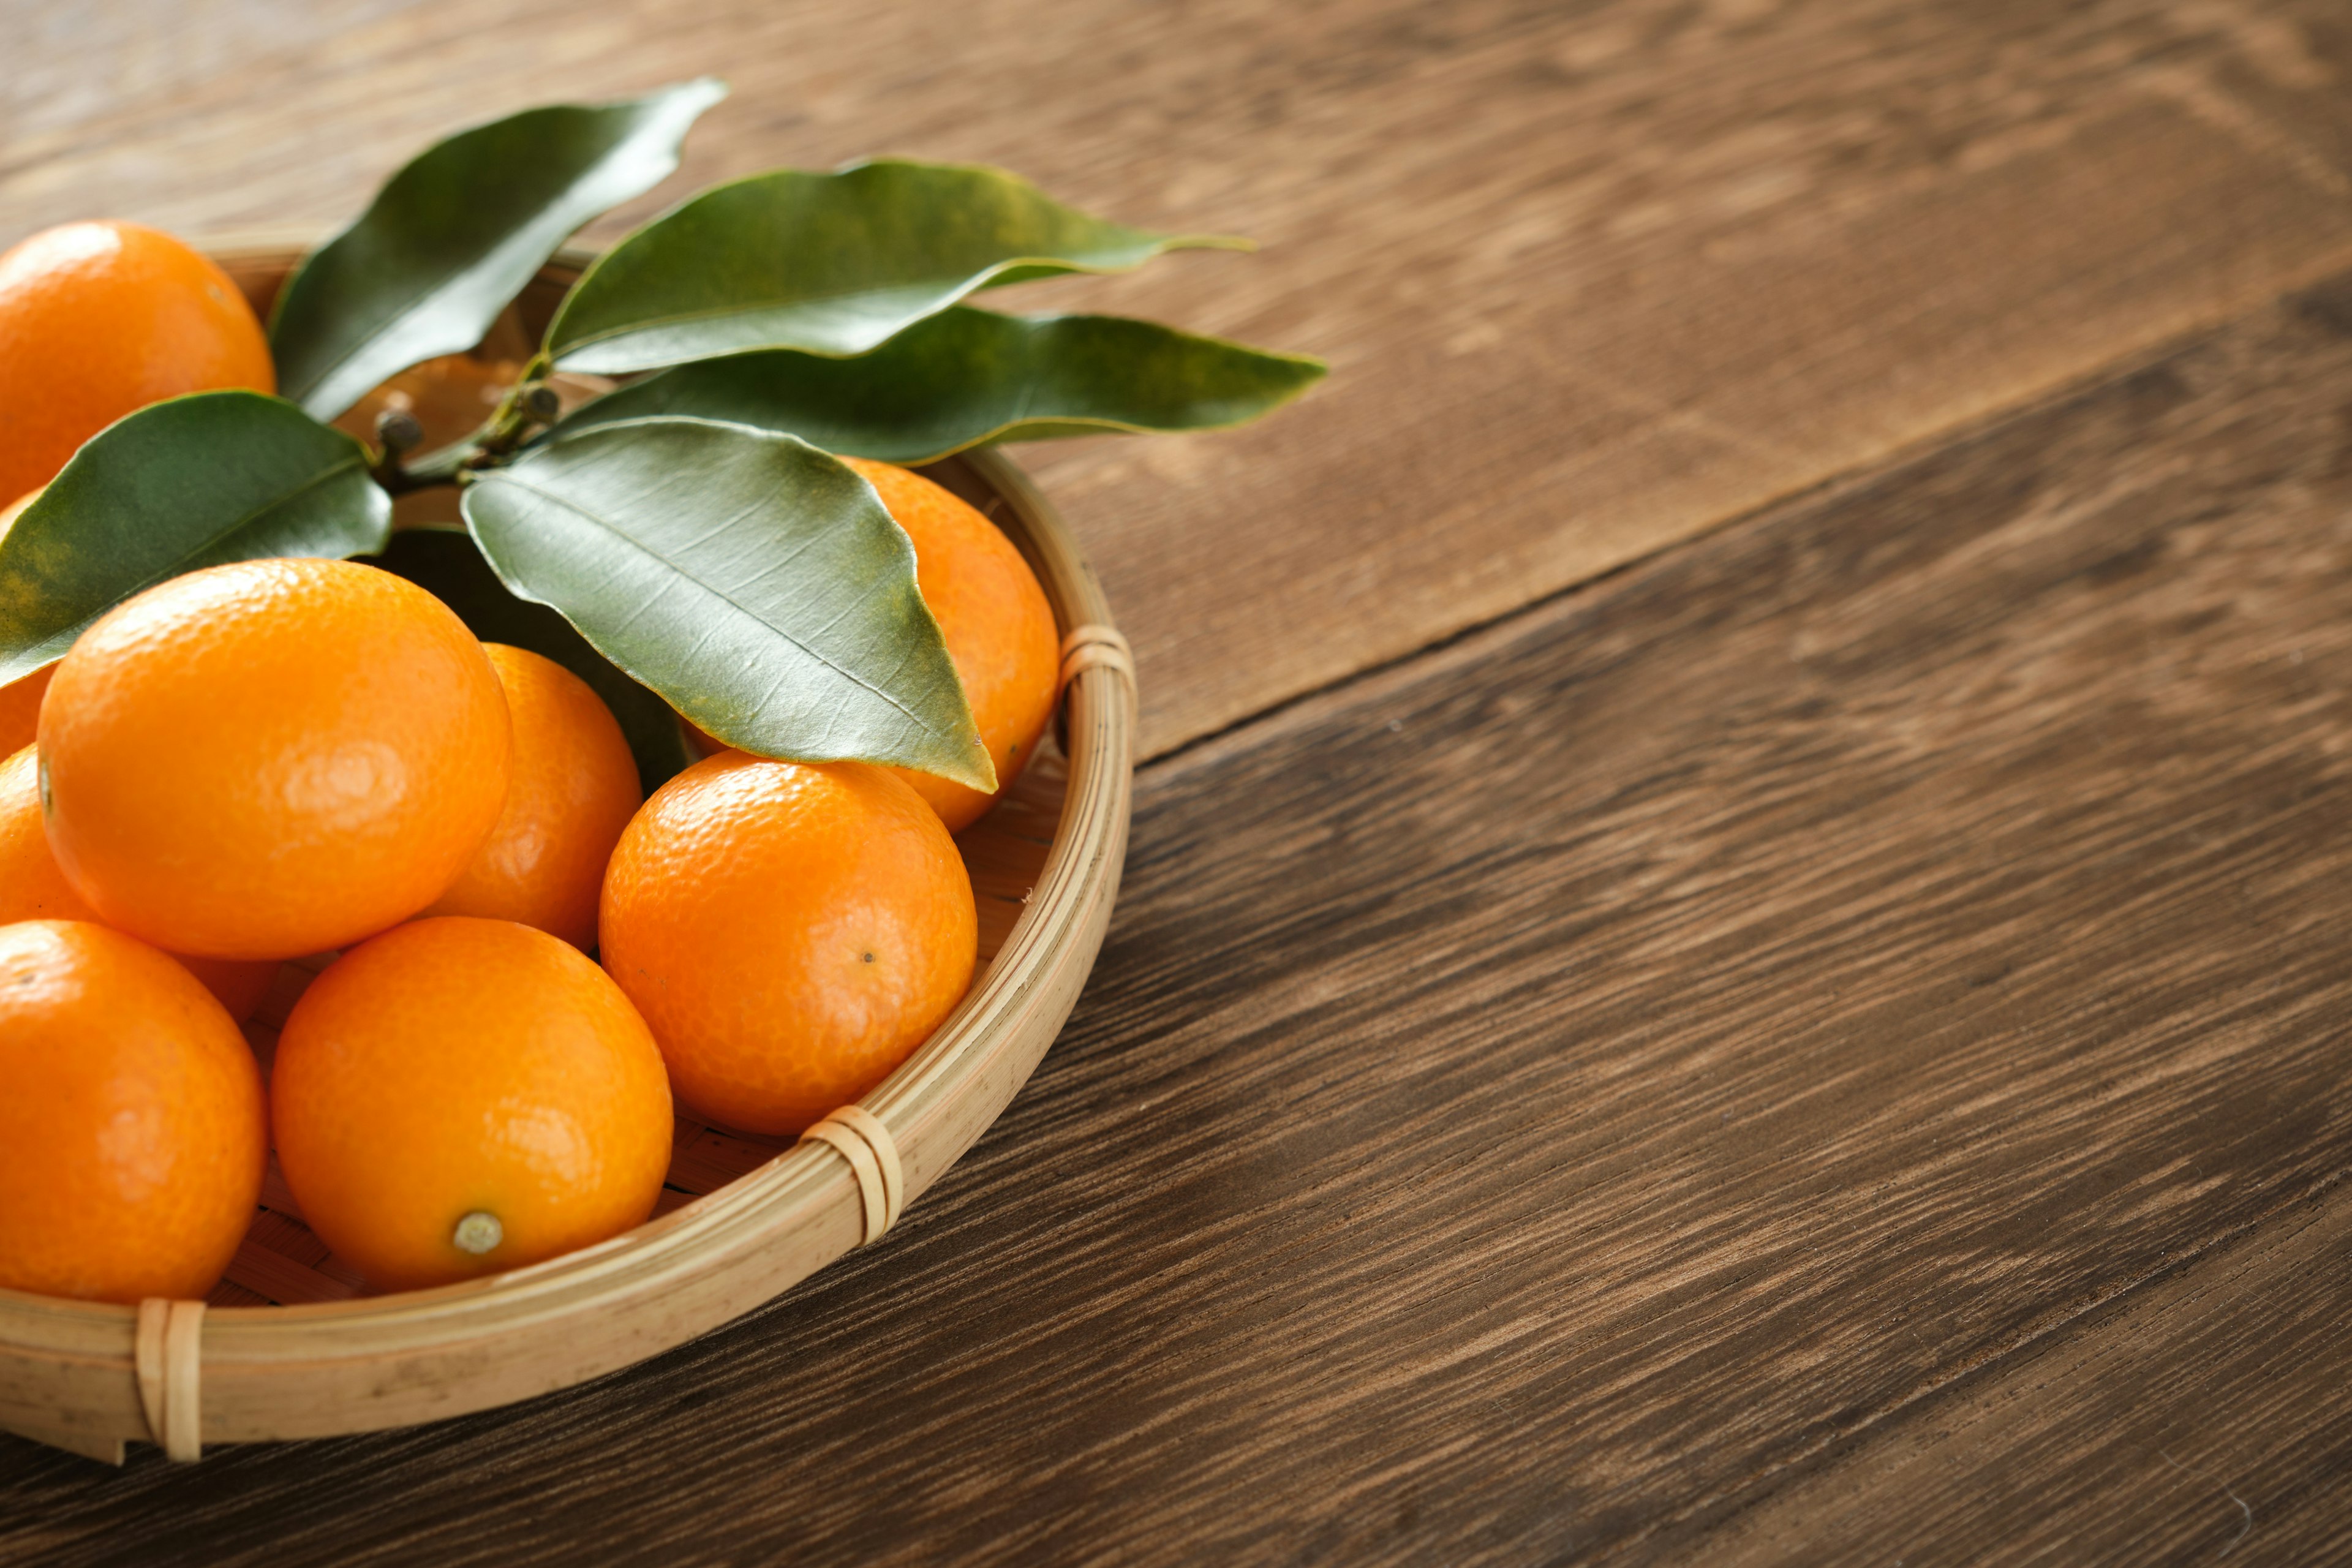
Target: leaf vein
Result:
[[510, 477]]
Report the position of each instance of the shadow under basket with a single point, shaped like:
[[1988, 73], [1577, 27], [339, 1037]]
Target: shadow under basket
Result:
[[290, 1345]]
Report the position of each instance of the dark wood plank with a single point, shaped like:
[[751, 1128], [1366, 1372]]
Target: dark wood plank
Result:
[[1543, 1099], [1594, 278], [2208, 1421]]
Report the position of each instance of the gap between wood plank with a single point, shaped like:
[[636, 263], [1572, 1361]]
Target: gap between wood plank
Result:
[[2110, 373], [1573, 1072], [1849, 1450], [1811, 234], [1739, 1511], [1926, 1477]]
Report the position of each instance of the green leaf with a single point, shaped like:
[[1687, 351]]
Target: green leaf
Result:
[[192, 482], [966, 376], [754, 582], [831, 264], [455, 236], [446, 564]]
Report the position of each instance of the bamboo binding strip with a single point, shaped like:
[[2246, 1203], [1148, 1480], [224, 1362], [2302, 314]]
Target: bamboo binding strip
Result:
[[858, 1135], [167, 1362], [1095, 645], [88, 1376]]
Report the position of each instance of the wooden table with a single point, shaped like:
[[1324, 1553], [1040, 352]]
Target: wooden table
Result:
[[1738, 945]]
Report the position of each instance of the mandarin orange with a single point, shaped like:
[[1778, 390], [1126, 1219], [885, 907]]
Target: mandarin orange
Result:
[[20, 700], [133, 1133], [272, 758], [571, 786], [97, 319], [20, 709], [33, 889], [997, 623], [460, 1096], [791, 932]]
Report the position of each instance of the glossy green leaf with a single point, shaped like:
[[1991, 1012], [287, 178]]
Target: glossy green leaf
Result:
[[755, 583], [446, 564], [455, 236], [829, 264], [195, 481], [966, 376]]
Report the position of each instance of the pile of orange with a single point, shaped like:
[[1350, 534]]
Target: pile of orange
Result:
[[317, 760]]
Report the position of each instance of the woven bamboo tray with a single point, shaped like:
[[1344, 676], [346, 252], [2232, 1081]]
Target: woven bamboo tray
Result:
[[289, 1346]]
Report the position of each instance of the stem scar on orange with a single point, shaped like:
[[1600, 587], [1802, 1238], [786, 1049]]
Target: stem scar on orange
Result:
[[791, 932], [100, 320], [571, 787], [33, 889], [997, 623], [272, 758], [461, 1096], [133, 1132]]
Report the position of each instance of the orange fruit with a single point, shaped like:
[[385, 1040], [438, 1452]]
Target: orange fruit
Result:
[[97, 319], [460, 1096], [20, 709], [133, 1132], [571, 786], [33, 889], [272, 758], [20, 700], [996, 621], [791, 931]]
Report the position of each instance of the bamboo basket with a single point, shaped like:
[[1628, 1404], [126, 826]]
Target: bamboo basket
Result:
[[288, 1347]]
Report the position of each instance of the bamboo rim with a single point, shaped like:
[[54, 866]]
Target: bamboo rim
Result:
[[71, 1371]]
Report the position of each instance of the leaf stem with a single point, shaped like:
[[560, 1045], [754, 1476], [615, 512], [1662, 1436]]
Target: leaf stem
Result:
[[517, 412], [439, 466], [527, 404]]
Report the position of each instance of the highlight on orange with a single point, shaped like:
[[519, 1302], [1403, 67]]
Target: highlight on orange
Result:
[[117, 316], [33, 889], [996, 620], [133, 1133], [571, 787], [461, 1096], [272, 758], [791, 932]]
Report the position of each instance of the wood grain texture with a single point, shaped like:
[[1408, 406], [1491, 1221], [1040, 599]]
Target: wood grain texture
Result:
[[1553, 1098], [1593, 277], [2182, 1431]]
